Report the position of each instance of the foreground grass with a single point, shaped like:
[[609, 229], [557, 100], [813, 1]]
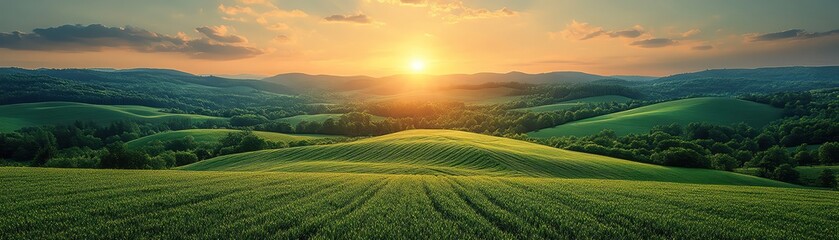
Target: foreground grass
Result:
[[576, 102], [715, 110], [214, 135], [16, 116], [447, 153], [120, 204]]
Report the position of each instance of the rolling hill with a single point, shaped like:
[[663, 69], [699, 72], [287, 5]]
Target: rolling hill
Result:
[[576, 102], [160, 88], [16, 116], [731, 82], [214, 135], [446, 152], [716, 110], [124, 204]]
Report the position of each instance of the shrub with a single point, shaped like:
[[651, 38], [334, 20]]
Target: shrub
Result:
[[724, 162], [786, 173], [680, 157]]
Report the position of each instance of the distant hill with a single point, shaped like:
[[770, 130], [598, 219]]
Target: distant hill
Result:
[[304, 82], [715, 110], [576, 102], [16, 116], [739, 81], [634, 78], [446, 152], [148, 87]]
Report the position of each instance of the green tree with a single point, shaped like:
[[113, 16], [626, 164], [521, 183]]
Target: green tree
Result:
[[680, 157], [247, 120], [771, 159], [829, 153], [120, 157], [723, 162], [827, 179], [184, 158], [805, 158], [46, 146], [786, 173]]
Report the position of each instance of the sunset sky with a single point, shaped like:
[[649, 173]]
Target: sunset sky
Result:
[[385, 37]]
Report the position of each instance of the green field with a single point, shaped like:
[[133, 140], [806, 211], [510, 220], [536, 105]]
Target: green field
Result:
[[320, 118], [214, 135], [574, 103], [121, 204], [809, 175], [446, 152], [715, 110], [16, 116]]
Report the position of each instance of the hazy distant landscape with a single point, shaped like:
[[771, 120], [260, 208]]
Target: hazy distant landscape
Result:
[[487, 127]]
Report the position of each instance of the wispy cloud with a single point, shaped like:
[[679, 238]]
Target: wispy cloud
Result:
[[356, 18], [585, 31], [691, 33], [96, 37], [454, 10], [789, 35], [654, 43], [702, 47], [262, 12], [220, 33]]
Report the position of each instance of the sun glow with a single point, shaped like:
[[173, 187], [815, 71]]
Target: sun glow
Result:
[[417, 65]]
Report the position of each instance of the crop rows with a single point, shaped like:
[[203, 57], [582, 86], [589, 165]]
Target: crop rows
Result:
[[52, 203], [455, 153]]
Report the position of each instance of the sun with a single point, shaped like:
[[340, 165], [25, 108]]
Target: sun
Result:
[[417, 65]]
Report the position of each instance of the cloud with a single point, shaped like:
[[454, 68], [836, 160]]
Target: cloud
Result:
[[234, 10], [282, 39], [454, 10], [358, 18], [585, 31], [654, 43], [702, 47], [691, 33], [95, 37], [220, 34], [797, 34], [262, 12]]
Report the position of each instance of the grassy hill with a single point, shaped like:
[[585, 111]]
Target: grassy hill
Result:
[[213, 136], [16, 116], [716, 110], [146, 87], [446, 152], [576, 102], [123, 204]]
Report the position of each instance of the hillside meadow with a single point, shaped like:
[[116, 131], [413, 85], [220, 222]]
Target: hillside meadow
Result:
[[456, 153], [575, 103], [16, 116], [714, 110]]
